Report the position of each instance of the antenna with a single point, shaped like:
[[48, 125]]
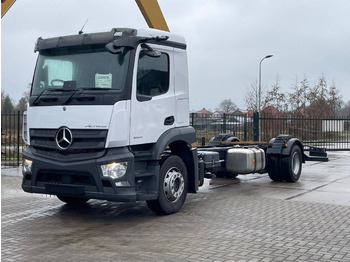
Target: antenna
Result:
[[81, 30]]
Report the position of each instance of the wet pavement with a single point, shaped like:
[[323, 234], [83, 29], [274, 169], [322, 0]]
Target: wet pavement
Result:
[[248, 218]]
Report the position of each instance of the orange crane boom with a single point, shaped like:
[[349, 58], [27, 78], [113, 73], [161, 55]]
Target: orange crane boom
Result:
[[5, 6], [149, 8], [153, 14]]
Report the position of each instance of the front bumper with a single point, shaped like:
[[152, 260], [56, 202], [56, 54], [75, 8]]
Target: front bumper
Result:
[[79, 178]]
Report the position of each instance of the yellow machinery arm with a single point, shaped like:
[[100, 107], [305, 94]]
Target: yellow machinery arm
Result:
[[5, 5], [149, 8], [153, 14]]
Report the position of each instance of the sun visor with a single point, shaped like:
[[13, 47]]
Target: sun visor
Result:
[[83, 39]]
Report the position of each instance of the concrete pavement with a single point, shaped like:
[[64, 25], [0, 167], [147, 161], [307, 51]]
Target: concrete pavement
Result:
[[248, 218]]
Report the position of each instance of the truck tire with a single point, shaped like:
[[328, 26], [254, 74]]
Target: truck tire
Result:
[[273, 170], [291, 166], [172, 187], [73, 200]]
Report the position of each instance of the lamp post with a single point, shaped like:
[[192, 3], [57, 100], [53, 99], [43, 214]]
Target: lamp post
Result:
[[259, 103]]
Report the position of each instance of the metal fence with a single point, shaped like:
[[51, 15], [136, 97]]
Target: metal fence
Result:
[[332, 133], [208, 126], [11, 139]]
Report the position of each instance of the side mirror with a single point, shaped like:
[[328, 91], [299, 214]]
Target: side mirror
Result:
[[153, 53], [149, 51], [110, 47]]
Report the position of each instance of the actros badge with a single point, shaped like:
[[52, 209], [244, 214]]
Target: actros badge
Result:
[[64, 138]]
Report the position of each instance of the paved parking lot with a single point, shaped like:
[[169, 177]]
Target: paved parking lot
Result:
[[248, 218]]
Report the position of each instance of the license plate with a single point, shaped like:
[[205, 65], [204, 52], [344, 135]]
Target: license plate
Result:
[[64, 189]]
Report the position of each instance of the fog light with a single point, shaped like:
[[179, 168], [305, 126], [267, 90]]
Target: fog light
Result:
[[123, 183], [114, 170], [27, 165]]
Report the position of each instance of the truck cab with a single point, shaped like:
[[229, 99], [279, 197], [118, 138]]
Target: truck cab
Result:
[[108, 118]]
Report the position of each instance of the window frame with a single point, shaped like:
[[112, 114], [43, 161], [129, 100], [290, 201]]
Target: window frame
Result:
[[145, 97]]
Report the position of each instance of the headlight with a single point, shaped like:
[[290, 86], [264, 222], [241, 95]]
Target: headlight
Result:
[[114, 170], [24, 128], [27, 165]]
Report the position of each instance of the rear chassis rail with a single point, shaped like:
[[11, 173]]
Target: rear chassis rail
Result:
[[277, 148], [315, 153]]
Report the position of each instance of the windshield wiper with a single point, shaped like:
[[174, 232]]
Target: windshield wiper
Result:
[[48, 90], [82, 89]]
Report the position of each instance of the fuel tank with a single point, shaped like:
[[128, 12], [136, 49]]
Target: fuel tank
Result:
[[245, 160]]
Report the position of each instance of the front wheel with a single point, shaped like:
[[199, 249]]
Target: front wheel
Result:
[[172, 188]]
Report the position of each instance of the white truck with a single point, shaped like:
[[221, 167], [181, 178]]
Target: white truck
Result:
[[108, 118]]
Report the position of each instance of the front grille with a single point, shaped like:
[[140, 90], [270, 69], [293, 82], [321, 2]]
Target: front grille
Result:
[[83, 139], [69, 155], [82, 179]]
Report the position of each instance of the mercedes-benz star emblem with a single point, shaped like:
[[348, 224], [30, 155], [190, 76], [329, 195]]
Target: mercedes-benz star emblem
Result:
[[64, 138]]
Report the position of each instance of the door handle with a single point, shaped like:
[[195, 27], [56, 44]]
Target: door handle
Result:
[[169, 120]]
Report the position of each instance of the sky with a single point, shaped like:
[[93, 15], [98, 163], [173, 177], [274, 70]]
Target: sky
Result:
[[225, 41]]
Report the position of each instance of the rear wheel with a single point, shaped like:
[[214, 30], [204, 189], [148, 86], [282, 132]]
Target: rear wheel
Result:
[[73, 200], [172, 189], [272, 168], [292, 165], [285, 168]]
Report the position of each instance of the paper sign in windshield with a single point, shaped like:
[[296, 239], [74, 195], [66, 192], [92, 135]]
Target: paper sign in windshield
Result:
[[103, 80]]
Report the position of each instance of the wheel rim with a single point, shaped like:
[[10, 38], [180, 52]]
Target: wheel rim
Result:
[[296, 163], [174, 184]]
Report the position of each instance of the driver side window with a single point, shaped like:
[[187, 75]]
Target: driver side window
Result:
[[152, 75]]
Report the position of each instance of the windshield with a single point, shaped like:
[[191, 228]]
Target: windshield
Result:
[[90, 67]]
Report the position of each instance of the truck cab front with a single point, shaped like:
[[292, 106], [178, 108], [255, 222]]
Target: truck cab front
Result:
[[103, 109]]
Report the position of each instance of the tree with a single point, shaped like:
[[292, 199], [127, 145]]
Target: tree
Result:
[[22, 103], [299, 98], [251, 98], [227, 106], [318, 98], [335, 99], [2, 98], [6, 103], [316, 101], [276, 98], [345, 110]]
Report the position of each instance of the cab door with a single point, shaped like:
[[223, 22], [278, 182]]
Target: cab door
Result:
[[153, 95]]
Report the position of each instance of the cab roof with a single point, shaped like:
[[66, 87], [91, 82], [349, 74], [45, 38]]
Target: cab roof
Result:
[[136, 35]]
